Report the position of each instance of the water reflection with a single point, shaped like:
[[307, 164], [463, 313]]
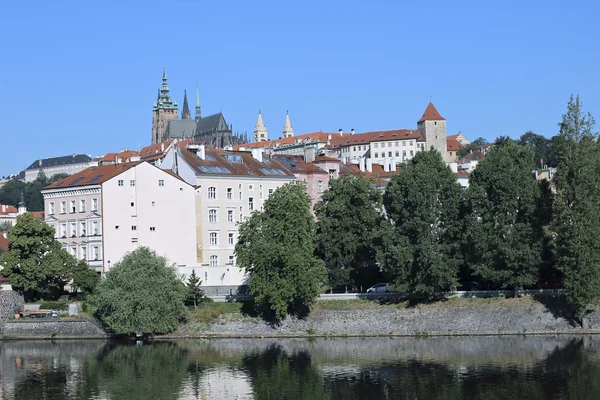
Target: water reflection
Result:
[[395, 368]]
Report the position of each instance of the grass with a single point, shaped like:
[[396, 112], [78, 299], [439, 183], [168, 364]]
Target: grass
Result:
[[209, 312]]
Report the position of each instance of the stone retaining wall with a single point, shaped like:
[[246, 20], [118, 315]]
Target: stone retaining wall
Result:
[[51, 329], [11, 303]]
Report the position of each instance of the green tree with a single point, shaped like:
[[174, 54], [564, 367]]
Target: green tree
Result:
[[502, 227], [544, 152], [347, 229], [194, 292], [141, 294], [577, 209], [276, 246], [35, 263], [84, 279], [421, 247], [473, 146]]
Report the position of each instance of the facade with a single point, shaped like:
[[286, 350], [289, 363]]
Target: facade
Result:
[[212, 130], [104, 212], [57, 165], [432, 127], [117, 158], [453, 145], [230, 185], [293, 145], [9, 214]]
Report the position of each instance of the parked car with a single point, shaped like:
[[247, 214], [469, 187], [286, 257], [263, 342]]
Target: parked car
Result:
[[379, 288], [343, 289]]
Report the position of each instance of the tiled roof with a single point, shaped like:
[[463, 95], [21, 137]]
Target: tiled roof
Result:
[[452, 144], [7, 210], [123, 156], [318, 136], [156, 152], [38, 214], [431, 114], [231, 163], [3, 241], [92, 176], [462, 174], [56, 161], [377, 171], [376, 136], [297, 165], [326, 159]]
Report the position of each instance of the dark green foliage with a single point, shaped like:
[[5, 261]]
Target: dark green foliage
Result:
[[421, 248], [473, 146], [85, 279], [194, 292], [276, 246], [544, 150], [10, 192], [59, 305], [577, 207], [502, 229], [141, 294], [35, 263], [348, 225]]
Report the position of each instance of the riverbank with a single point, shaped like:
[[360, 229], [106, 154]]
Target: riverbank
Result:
[[350, 318]]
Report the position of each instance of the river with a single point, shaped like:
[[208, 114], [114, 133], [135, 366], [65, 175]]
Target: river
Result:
[[516, 367]]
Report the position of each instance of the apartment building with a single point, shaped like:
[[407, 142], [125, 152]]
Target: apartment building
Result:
[[103, 212], [230, 185], [57, 165]]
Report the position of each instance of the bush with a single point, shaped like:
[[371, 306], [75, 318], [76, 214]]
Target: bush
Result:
[[58, 305]]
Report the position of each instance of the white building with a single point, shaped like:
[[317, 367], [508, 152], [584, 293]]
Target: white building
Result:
[[104, 212], [230, 185], [57, 165]]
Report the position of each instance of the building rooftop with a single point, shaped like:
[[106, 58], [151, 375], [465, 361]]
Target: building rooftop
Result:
[[92, 176], [6, 209], [431, 114], [297, 165], [56, 161]]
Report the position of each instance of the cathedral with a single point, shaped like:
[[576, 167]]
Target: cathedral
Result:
[[211, 130]]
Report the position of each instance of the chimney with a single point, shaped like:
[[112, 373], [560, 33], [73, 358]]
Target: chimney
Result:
[[393, 165], [198, 149], [386, 165], [40, 163], [162, 146], [361, 164], [369, 165], [341, 132], [352, 131], [74, 155], [258, 154], [3, 207], [309, 154], [328, 138]]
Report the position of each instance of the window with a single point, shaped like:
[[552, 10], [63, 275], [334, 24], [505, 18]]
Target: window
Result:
[[389, 153], [411, 153], [63, 230], [213, 238], [94, 204], [230, 238], [161, 182], [376, 155], [331, 173], [73, 251], [72, 206], [95, 228], [376, 145], [229, 193], [51, 208], [212, 215], [95, 253], [250, 203], [404, 154], [152, 228], [83, 253], [354, 148], [270, 192], [230, 216], [241, 217], [241, 196], [320, 186], [82, 205], [397, 154], [403, 143], [82, 228], [214, 261], [63, 207], [250, 187], [120, 182], [231, 260], [73, 229], [132, 182], [212, 192], [397, 144], [134, 227], [116, 227], [450, 154], [153, 204], [389, 144]]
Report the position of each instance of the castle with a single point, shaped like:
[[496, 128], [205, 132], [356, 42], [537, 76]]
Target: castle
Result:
[[166, 124]]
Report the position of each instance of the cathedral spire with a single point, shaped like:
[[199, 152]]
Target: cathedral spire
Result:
[[185, 113], [288, 131], [260, 130], [164, 98], [198, 116]]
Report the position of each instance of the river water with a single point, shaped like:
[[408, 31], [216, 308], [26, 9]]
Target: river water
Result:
[[534, 367]]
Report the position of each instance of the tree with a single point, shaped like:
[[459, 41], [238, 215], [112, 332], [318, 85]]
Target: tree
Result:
[[348, 220], [84, 278], [544, 152], [141, 294], [35, 263], [10, 192], [194, 292], [577, 209], [502, 195], [276, 246], [421, 247], [474, 145]]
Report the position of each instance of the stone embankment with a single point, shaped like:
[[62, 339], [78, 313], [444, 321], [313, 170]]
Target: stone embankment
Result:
[[52, 329], [501, 317]]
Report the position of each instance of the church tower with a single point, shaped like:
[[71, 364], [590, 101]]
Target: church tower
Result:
[[432, 127], [164, 110], [185, 113], [260, 130], [287, 128]]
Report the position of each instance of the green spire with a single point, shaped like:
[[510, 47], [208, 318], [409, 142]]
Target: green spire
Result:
[[164, 99], [198, 115]]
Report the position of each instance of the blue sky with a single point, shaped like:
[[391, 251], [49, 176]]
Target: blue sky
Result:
[[82, 78]]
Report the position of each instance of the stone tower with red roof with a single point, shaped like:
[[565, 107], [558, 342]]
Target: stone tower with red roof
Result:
[[432, 127]]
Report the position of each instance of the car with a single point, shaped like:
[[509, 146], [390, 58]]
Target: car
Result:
[[379, 288], [349, 288]]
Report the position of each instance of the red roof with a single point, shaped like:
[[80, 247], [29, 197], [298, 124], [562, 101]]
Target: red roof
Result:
[[125, 155], [452, 144], [92, 176], [318, 136], [3, 241], [431, 114], [376, 173], [38, 214], [5, 210], [376, 136], [326, 159]]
